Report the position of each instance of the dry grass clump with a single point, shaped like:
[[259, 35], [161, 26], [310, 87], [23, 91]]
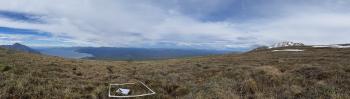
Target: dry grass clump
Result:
[[261, 74]]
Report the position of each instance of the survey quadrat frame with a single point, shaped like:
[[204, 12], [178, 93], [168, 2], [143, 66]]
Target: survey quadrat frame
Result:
[[130, 96]]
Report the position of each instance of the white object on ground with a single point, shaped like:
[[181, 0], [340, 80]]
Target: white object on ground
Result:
[[123, 91], [321, 46], [288, 50], [130, 96]]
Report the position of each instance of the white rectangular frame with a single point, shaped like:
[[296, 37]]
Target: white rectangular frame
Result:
[[131, 96]]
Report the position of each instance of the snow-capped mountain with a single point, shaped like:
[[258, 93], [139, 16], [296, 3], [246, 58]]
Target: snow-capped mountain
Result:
[[286, 44]]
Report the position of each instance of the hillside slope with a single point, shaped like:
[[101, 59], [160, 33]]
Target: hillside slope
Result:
[[20, 47], [312, 73]]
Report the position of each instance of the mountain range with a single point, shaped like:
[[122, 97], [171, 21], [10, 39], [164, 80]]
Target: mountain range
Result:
[[115, 53], [112, 53]]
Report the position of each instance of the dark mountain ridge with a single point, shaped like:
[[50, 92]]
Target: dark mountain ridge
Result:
[[20, 47]]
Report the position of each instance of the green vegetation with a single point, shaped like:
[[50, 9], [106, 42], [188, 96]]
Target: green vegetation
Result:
[[4, 68], [316, 73]]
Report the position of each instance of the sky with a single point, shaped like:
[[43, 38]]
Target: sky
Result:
[[201, 24]]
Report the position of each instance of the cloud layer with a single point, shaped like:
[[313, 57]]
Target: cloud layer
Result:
[[216, 24]]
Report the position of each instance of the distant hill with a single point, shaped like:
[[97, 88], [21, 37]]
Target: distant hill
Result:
[[21, 47], [111, 53], [66, 52], [348, 44]]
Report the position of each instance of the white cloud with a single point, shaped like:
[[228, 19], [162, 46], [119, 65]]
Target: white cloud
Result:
[[309, 28], [137, 23], [116, 23]]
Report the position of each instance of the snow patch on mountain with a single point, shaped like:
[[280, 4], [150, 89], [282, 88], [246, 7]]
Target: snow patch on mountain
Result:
[[286, 44], [332, 46], [288, 50]]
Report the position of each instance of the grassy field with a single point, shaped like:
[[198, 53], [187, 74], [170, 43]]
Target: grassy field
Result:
[[316, 73]]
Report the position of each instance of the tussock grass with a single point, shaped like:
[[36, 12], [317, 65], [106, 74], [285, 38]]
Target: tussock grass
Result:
[[260, 74]]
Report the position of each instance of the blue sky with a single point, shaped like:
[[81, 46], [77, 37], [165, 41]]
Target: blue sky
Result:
[[209, 24]]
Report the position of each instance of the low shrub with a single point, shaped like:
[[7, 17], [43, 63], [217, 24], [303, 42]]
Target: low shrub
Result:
[[4, 68]]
